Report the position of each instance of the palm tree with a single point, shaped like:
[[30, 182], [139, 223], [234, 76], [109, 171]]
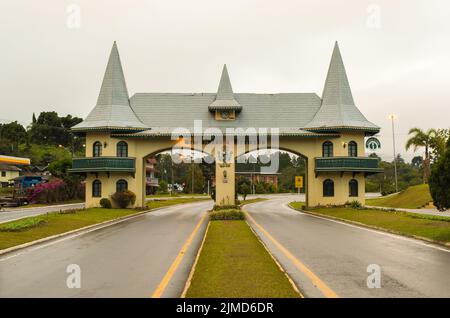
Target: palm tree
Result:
[[418, 139]]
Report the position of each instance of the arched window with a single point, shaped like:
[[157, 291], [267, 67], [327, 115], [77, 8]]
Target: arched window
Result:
[[122, 149], [96, 188], [121, 185], [353, 188], [328, 188], [97, 149], [352, 149], [327, 149]]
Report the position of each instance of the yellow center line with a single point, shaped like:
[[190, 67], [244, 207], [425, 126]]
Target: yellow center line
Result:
[[172, 269], [326, 291]]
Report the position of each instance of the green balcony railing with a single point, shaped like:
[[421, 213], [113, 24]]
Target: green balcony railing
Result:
[[352, 164], [97, 164]]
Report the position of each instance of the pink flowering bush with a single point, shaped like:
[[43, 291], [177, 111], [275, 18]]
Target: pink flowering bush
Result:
[[50, 192]]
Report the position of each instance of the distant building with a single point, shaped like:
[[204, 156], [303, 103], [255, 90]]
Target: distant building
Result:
[[8, 172], [256, 177], [39, 170], [151, 182]]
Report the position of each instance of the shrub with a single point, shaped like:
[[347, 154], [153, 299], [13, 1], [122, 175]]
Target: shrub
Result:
[[49, 192], [106, 203], [229, 214], [354, 204], [162, 187], [124, 199], [226, 207]]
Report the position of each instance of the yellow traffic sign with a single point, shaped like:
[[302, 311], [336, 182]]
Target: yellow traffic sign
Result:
[[299, 181]]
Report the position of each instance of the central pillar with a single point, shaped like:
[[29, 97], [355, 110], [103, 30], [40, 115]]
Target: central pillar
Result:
[[225, 180]]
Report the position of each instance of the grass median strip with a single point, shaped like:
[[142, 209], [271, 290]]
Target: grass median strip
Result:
[[436, 228], [233, 263], [37, 227]]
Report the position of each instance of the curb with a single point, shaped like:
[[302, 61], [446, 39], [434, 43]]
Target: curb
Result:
[[191, 273], [291, 281], [372, 227], [94, 227]]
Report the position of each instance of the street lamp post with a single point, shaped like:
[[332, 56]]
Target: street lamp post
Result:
[[192, 168], [392, 117]]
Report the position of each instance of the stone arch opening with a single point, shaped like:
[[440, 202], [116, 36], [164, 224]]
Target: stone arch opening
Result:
[[285, 172]]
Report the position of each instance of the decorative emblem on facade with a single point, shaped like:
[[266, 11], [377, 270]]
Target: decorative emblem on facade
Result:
[[373, 143]]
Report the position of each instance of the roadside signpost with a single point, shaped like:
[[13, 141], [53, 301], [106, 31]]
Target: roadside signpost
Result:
[[299, 183]]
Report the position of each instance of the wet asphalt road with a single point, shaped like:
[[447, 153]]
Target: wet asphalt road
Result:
[[339, 255], [128, 259]]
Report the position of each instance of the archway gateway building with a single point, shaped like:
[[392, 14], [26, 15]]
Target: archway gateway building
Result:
[[328, 132]]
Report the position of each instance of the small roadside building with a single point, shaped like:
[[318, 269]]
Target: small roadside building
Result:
[[8, 172]]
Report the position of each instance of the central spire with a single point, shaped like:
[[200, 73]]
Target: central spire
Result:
[[225, 91], [225, 96]]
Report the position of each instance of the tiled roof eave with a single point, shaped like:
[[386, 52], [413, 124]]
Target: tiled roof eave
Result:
[[342, 128], [108, 128], [231, 107], [166, 134]]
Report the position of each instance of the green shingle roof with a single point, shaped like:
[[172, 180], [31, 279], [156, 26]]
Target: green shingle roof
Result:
[[292, 113]]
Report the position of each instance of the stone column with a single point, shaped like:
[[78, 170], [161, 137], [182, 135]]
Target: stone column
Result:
[[225, 180]]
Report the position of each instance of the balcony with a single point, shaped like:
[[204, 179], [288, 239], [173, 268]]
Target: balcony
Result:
[[103, 164], [347, 164]]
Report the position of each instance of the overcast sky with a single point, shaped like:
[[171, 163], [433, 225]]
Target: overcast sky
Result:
[[397, 53]]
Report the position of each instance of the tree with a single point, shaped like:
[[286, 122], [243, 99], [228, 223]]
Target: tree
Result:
[[243, 186], [199, 180], [440, 180], [438, 143], [244, 190], [50, 129], [418, 139], [13, 133], [58, 168]]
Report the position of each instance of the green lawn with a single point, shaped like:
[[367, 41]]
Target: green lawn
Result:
[[410, 224], [233, 263], [413, 197], [55, 223], [162, 203]]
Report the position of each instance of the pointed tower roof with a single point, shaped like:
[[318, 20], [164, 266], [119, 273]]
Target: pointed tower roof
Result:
[[338, 110], [112, 110], [225, 97]]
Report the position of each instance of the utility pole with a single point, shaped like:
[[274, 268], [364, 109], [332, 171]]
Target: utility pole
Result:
[[171, 173], [392, 117], [192, 168]]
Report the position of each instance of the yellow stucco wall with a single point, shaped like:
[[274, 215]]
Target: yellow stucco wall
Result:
[[225, 186], [309, 148]]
